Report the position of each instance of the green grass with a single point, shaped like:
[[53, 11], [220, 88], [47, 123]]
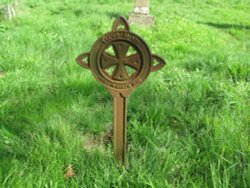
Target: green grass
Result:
[[189, 124]]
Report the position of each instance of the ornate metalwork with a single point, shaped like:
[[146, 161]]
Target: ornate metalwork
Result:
[[120, 60]]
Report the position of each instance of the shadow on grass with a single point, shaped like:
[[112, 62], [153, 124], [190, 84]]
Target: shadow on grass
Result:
[[22, 121], [115, 14], [23, 116], [226, 26]]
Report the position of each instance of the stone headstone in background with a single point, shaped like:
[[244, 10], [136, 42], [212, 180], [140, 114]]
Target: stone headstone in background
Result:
[[141, 7], [141, 15], [8, 11]]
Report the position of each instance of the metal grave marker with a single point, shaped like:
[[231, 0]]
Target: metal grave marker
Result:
[[120, 60]]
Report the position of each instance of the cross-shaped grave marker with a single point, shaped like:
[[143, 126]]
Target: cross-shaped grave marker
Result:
[[120, 60]]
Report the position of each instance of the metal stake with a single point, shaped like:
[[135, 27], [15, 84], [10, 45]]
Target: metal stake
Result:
[[120, 128]]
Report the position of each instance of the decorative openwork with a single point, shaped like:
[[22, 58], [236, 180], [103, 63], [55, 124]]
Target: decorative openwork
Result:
[[120, 60], [120, 65]]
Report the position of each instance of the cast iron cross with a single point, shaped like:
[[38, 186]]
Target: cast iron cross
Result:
[[120, 60]]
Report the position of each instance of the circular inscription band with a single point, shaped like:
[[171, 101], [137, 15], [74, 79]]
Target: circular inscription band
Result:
[[111, 69]]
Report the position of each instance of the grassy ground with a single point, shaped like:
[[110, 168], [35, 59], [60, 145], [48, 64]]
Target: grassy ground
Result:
[[189, 124]]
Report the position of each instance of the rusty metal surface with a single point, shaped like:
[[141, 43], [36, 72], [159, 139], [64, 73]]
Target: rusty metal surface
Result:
[[120, 60]]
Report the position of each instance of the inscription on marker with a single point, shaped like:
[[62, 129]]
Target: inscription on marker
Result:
[[125, 36]]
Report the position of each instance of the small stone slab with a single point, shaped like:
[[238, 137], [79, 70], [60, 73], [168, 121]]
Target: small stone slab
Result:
[[141, 15], [142, 7], [141, 19]]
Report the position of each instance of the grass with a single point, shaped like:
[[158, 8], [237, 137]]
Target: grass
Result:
[[189, 124]]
